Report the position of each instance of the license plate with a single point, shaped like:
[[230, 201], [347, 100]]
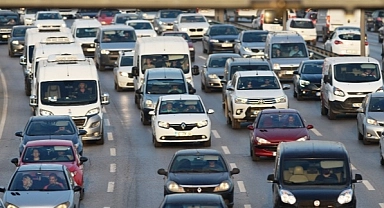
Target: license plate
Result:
[[317, 93], [274, 153], [275, 28], [351, 52], [226, 45], [181, 133], [289, 72], [356, 105], [90, 49]]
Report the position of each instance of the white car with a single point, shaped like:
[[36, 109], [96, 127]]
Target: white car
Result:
[[181, 118], [196, 25], [49, 20], [304, 27], [143, 28], [122, 70], [29, 15], [346, 42]]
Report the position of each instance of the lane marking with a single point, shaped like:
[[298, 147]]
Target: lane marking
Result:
[[241, 186], [5, 104], [216, 134], [202, 57], [353, 167], [247, 206], [316, 132], [104, 110], [226, 150], [233, 165], [106, 121], [111, 187], [368, 185], [381, 205], [112, 168], [110, 136], [112, 151]]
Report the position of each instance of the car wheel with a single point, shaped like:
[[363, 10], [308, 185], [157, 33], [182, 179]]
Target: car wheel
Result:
[[209, 51], [324, 110], [331, 114], [136, 99], [299, 96], [155, 142], [254, 157], [143, 120], [365, 141], [207, 143], [101, 140], [294, 93], [359, 135], [380, 39], [10, 54], [229, 122], [117, 88], [382, 160], [204, 50], [82, 194], [235, 124], [202, 85], [207, 89], [193, 59]]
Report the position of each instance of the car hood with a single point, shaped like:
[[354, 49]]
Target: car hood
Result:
[[281, 135], [140, 33], [183, 117], [218, 71], [198, 178], [45, 198], [118, 46], [85, 40], [313, 78], [379, 116], [260, 93], [254, 44], [194, 25], [72, 138], [328, 193], [127, 69], [224, 37], [288, 62]]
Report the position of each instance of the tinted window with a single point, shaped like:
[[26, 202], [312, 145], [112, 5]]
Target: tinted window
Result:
[[262, 67], [349, 36], [141, 25], [169, 14], [289, 50], [31, 48], [258, 83], [9, 19], [39, 181], [302, 24], [197, 163], [189, 19], [181, 106], [280, 120], [254, 37], [376, 104], [164, 86], [356, 72], [222, 30], [46, 16], [50, 127], [113, 36], [126, 61], [121, 19], [86, 32], [312, 68], [218, 62], [39, 154], [19, 32], [183, 35]]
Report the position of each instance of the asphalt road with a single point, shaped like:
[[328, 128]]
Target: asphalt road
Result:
[[123, 171]]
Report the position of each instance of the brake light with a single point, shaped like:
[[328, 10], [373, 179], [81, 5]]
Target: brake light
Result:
[[366, 43], [293, 16], [378, 19], [328, 21], [337, 42], [262, 19]]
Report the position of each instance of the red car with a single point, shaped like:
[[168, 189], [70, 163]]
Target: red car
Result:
[[105, 16], [54, 151], [273, 126]]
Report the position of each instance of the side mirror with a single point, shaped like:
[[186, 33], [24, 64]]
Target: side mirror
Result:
[[237, 41], [161, 171], [23, 61], [151, 113], [271, 178], [286, 86], [15, 161], [96, 40], [105, 99], [156, 28], [83, 160], [33, 100], [210, 111], [235, 171], [204, 66], [175, 22], [311, 55], [266, 55], [77, 188], [295, 72], [250, 127], [192, 91], [309, 126], [195, 70], [135, 71], [230, 88], [358, 178], [360, 110], [64, 18], [116, 64], [2, 189], [19, 134], [223, 81], [82, 132], [130, 75]]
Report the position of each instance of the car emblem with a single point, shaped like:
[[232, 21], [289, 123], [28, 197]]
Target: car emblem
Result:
[[183, 125], [199, 190], [316, 203]]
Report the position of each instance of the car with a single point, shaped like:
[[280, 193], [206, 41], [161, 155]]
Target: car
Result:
[[181, 119], [105, 16], [377, 20], [8, 19], [268, 19], [54, 152], [49, 20], [84, 32], [213, 71], [122, 70], [304, 27], [273, 126], [143, 28], [251, 43], [46, 185], [370, 118], [219, 37], [86, 13], [30, 14], [17, 39], [346, 42], [148, 14], [47, 127], [312, 16], [192, 200], [307, 79], [186, 37], [122, 18], [164, 19], [199, 171], [353, 28], [196, 25]]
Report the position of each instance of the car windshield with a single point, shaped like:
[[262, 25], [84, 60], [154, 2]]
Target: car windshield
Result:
[[302, 24], [19, 31], [223, 30], [47, 16], [88, 10], [190, 19], [180, 61], [141, 25], [67, 93], [193, 205], [250, 37], [170, 14], [39, 180], [50, 127], [9, 19], [312, 68], [289, 50], [350, 36], [260, 67], [314, 171], [181, 106], [116, 36], [49, 153], [86, 32], [347, 28], [376, 104], [165, 86], [183, 35], [198, 164], [258, 83], [357, 72], [121, 19], [218, 62], [126, 61], [279, 120]]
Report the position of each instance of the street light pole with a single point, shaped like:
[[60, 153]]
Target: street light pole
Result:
[[362, 33]]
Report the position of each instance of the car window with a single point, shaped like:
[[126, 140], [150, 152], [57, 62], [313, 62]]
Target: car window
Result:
[[169, 14], [164, 86], [126, 61], [114, 36], [121, 19], [191, 19], [312, 68], [280, 120], [357, 72], [141, 25], [50, 127], [376, 104], [19, 32], [9, 19], [39, 154], [289, 50], [254, 37], [41, 180], [258, 83], [217, 62], [198, 163], [302, 24], [258, 67], [109, 13], [349, 36], [181, 107], [86, 32], [214, 31], [46, 16]]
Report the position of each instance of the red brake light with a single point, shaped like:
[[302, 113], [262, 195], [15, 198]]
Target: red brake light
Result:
[[262, 19], [366, 43], [328, 21], [337, 42]]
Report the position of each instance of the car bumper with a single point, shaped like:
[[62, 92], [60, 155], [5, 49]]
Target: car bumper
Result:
[[245, 112], [172, 135], [286, 73], [214, 83], [227, 195], [309, 203], [195, 34], [92, 124], [246, 53], [108, 60], [266, 150], [164, 28], [221, 46], [125, 82], [311, 90], [346, 107], [373, 132], [16, 49]]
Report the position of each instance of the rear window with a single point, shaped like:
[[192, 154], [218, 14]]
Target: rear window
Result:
[[273, 17], [302, 24], [349, 36]]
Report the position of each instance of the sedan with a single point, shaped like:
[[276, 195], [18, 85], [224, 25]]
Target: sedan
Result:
[[186, 38], [41, 185], [273, 126], [143, 28], [220, 37], [16, 40], [194, 24], [164, 19], [192, 200], [199, 171], [251, 43], [370, 118], [51, 127], [105, 16], [307, 79], [213, 71], [345, 42]]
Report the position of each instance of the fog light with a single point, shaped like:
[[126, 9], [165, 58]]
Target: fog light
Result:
[[96, 134], [203, 137], [162, 138], [369, 135], [238, 112]]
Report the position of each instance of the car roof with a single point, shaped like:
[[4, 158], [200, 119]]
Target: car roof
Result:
[[312, 149], [52, 142], [180, 97], [50, 118], [255, 31], [222, 25], [190, 14], [116, 27], [273, 111], [242, 60], [193, 197], [252, 73], [164, 73], [198, 151], [34, 167], [235, 55], [346, 60], [48, 12], [146, 21], [377, 94]]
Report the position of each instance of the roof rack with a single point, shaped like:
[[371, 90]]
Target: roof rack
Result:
[[57, 40], [66, 58]]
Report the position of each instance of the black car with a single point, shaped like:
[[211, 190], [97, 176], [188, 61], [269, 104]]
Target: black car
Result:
[[86, 13], [376, 20], [199, 171], [307, 79], [220, 37], [8, 19], [51, 127], [16, 40], [192, 200]]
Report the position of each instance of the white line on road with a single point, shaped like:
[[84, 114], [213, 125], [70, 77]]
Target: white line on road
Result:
[[5, 103], [233, 165], [316, 132], [111, 186], [112, 168], [241, 186], [368, 185], [112, 151], [110, 136], [104, 110], [202, 57], [216, 134], [106, 121], [247, 206], [226, 150], [353, 167], [381, 205]]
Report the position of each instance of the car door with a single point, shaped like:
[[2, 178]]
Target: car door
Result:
[[205, 39], [204, 72], [238, 42], [361, 115], [296, 77]]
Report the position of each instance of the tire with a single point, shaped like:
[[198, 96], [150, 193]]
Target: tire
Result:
[[235, 124], [82, 194], [254, 157], [193, 59], [207, 89], [136, 100], [27, 88], [365, 142], [324, 110], [204, 50], [382, 160], [155, 142], [228, 118], [294, 93], [209, 51], [100, 141], [207, 143], [359, 135], [299, 96], [202, 86], [143, 120], [117, 88], [331, 115], [11, 54], [380, 40]]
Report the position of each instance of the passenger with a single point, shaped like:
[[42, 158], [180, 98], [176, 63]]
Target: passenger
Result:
[[61, 156], [62, 130], [368, 73], [267, 83], [185, 64], [127, 36], [169, 108], [291, 121], [191, 108], [53, 183], [296, 51], [28, 184], [106, 38], [327, 176], [148, 64], [213, 165], [277, 53], [36, 155], [81, 91]]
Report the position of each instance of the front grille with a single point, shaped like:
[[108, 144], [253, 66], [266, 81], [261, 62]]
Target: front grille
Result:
[[255, 50], [50, 26], [114, 53], [79, 121], [221, 77], [350, 101], [88, 45], [195, 189], [293, 68], [196, 29], [358, 93], [178, 127], [226, 41], [323, 204], [253, 111], [270, 147], [170, 24], [192, 138], [262, 101]]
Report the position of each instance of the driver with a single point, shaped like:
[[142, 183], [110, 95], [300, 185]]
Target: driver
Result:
[[175, 89], [296, 51]]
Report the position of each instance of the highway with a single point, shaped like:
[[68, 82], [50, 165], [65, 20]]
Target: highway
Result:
[[123, 171]]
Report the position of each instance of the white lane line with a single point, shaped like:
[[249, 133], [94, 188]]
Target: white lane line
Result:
[[216, 134], [5, 103], [226, 150], [316, 132], [247, 206], [111, 187], [112, 168], [110, 136], [381, 205], [241, 186], [104, 110], [353, 167], [112, 151], [233, 165], [202, 57], [106, 121], [368, 185]]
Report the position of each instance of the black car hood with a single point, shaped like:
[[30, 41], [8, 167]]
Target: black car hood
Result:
[[198, 178], [317, 192], [313, 78], [225, 37], [72, 138], [18, 38]]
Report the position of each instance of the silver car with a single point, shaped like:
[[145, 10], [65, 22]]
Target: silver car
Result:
[[164, 19], [42, 185], [370, 118], [251, 43]]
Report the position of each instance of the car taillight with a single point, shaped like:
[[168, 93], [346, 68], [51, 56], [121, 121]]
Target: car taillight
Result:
[[337, 42], [328, 21], [366, 43], [262, 19]]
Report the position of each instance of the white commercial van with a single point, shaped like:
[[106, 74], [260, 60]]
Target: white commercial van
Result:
[[160, 52], [84, 31], [69, 85], [345, 83]]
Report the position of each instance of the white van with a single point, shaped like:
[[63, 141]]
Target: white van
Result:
[[84, 31], [69, 85], [159, 52], [346, 81]]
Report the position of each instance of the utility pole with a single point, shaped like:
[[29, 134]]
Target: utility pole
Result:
[[362, 33]]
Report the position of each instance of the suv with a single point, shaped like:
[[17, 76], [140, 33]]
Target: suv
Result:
[[8, 20], [233, 65], [249, 92]]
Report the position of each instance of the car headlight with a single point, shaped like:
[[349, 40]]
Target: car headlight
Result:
[[213, 41], [93, 111], [304, 82], [247, 49], [103, 23], [63, 205], [345, 196], [63, 25], [287, 197], [163, 124], [148, 104], [301, 139], [45, 112], [184, 29], [15, 42], [212, 76], [338, 92], [276, 67], [241, 100], [371, 121], [174, 187], [77, 145], [381, 89], [282, 99], [123, 74], [9, 205], [202, 123], [262, 140], [225, 185], [73, 174], [104, 52]]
